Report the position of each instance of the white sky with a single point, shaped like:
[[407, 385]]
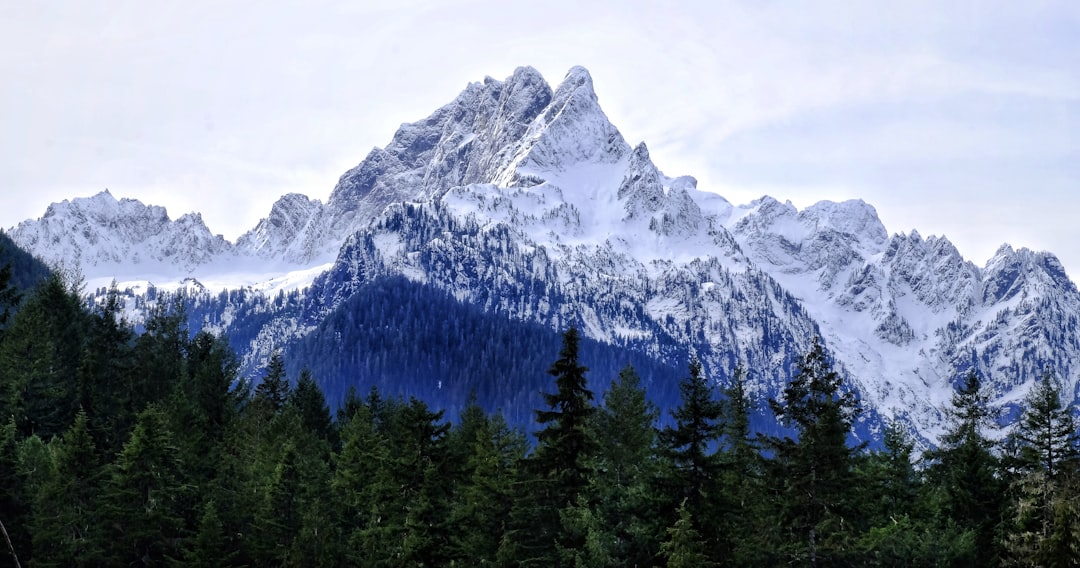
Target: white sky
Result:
[[954, 118]]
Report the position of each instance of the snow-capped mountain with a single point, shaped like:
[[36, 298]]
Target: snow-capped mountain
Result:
[[526, 201], [100, 234]]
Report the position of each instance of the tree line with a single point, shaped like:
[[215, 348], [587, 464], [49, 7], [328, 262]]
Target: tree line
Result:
[[147, 449]]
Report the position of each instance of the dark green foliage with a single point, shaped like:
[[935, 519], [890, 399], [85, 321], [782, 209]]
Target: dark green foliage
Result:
[[564, 444], [692, 475], [40, 358], [308, 400], [106, 374], [142, 501], [161, 352], [626, 466], [684, 547], [14, 498], [66, 529], [126, 449], [816, 468], [273, 391], [963, 470], [559, 467], [1041, 468], [696, 428], [482, 510]]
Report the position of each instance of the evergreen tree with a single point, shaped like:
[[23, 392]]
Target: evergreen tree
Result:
[[626, 465], [482, 509], [14, 498], [39, 358], [273, 391], [362, 486], [280, 518], [742, 494], [310, 403], [815, 471], [105, 374], [161, 354], [564, 445], [9, 296], [142, 500], [684, 547], [1046, 434], [208, 548], [66, 531], [962, 469], [690, 443], [1047, 453], [559, 468]]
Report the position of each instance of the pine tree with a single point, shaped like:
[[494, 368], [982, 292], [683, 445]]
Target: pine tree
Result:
[[14, 496], [1047, 452], [105, 374], [39, 358], [310, 403], [9, 297], [208, 548], [66, 531], [362, 486], [482, 509], [273, 391], [160, 352], [684, 547], [742, 494], [564, 445], [815, 471], [558, 469], [142, 499], [690, 443], [626, 464], [962, 468]]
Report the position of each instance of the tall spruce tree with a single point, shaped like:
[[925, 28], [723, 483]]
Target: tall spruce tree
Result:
[[143, 498], [1046, 443], [273, 391], [66, 531], [626, 465], [963, 469], [558, 468], [742, 490], [815, 470], [690, 443]]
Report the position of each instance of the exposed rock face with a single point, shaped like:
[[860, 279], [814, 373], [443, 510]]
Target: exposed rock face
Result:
[[527, 201]]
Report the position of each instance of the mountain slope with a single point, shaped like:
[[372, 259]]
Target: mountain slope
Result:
[[526, 202]]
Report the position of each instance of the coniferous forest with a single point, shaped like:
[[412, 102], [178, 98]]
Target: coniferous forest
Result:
[[120, 448]]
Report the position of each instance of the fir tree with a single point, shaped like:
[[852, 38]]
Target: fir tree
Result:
[[626, 464], [1047, 453], [273, 391], [559, 467], [815, 470], [742, 492], [66, 531], [310, 403], [962, 469], [142, 500], [690, 443], [684, 547]]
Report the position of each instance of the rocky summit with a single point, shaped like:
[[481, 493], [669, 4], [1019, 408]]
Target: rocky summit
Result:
[[526, 203]]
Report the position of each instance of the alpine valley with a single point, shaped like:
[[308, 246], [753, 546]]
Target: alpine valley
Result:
[[449, 262]]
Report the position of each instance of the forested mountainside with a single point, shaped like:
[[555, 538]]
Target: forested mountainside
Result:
[[127, 448], [523, 201]]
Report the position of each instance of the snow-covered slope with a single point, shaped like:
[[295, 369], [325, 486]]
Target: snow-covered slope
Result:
[[527, 201]]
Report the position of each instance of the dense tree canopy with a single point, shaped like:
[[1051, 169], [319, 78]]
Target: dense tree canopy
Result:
[[146, 448]]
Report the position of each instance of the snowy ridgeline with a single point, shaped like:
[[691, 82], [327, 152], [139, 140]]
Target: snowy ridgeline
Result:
[[526, 202]]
